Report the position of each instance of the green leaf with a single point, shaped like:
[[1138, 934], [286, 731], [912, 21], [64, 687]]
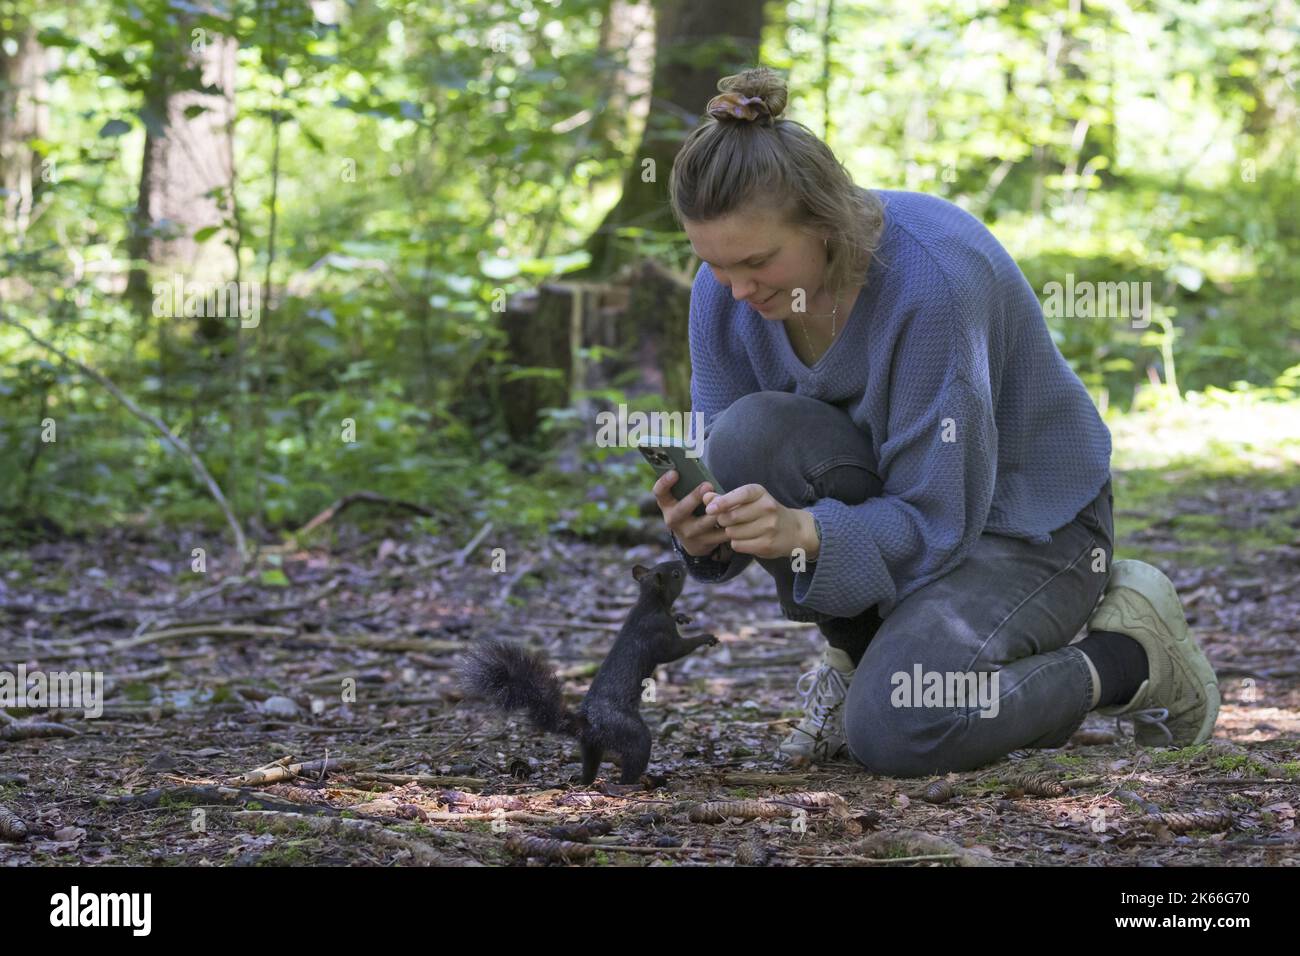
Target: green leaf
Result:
[[311, 137], [114, 127], [206, 233], [534, 372], [274, 578], [52, 36]]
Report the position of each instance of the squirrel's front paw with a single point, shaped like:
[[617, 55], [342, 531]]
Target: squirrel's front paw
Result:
[[711, 642], [682, 618]]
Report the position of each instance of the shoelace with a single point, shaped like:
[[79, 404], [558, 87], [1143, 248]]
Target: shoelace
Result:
[[1154, 716], [826, 691]]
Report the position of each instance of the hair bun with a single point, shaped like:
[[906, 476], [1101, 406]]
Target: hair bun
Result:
[[752, 95]]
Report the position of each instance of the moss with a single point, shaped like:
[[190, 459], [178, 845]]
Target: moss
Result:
[[139, 691], [285, 853], [1070, 760], [56, 583], [1193, 528], [16, 560], [1185, 755], [1231, 762]]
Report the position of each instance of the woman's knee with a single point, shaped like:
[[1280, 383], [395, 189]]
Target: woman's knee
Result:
[[758, 432], [759, 418], [889, 742], [899, 734]]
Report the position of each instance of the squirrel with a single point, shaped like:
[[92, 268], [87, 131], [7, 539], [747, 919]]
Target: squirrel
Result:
[[609, 718]]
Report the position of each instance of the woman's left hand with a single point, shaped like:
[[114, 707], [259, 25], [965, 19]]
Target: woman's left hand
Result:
[[758, 524]]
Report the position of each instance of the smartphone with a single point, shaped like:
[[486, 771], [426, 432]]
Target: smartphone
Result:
[[670, 454]]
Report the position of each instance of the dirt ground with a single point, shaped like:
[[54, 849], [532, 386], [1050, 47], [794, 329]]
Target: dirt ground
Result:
[[307, 714]]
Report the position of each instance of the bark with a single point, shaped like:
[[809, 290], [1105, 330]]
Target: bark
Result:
[[696, 44], [23, 117], [186, 170]]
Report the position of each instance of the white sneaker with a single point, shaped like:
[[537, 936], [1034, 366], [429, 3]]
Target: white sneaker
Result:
[[820, 735]]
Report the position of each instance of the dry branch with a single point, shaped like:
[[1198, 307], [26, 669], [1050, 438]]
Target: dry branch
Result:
[[178, 443]]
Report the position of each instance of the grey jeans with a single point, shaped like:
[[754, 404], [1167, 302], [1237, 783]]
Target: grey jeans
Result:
[[995, 630]]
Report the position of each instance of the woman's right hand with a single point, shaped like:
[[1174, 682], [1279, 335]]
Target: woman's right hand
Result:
[[698, 536]]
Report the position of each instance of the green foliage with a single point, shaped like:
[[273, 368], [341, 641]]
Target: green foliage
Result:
[[435, 158]]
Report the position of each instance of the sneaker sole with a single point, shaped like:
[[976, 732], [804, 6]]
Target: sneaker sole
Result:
[[1153, 585], [800, 750]]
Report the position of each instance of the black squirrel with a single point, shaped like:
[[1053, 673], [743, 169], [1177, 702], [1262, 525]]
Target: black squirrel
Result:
[[609, 718]]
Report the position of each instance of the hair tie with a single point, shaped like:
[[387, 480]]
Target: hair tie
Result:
[[737, 106]]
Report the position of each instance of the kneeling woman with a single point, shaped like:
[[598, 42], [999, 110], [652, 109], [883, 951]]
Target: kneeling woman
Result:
[[907, 453]]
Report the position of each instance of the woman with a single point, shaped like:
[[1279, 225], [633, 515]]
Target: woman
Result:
[[909, 456]]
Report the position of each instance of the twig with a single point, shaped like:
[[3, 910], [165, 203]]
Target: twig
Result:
[[279, 771], [625, 848], [244, 630], [510, 582], [423, 779], [205, 593], [349, 500], [458, 557], [873, 861], [215, 795], [230, 614], [577, 624], [182, 446], [420, 852], [35, 730]]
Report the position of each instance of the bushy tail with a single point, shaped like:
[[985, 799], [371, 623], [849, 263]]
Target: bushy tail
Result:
[[513, 678]]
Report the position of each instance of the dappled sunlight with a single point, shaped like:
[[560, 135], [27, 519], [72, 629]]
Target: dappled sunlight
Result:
[[1218, 432]]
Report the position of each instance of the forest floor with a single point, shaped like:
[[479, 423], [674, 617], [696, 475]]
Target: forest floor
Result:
[[194, 759]]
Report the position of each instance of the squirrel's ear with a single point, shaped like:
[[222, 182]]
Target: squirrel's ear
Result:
[[639, 571]]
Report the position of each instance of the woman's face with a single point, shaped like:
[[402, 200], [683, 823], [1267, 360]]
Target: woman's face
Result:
[[762, 259]]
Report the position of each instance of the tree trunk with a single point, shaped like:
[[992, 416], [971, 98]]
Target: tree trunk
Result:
[[185, 172], [638, 306], [696, 44], [23, 116]]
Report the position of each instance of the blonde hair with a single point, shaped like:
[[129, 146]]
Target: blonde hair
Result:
[[729, 162]]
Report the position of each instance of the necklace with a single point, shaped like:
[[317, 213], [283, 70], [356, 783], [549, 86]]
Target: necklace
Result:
[[808, 338]]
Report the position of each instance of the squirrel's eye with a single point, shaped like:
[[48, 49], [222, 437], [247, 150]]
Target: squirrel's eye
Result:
[[677, 574]]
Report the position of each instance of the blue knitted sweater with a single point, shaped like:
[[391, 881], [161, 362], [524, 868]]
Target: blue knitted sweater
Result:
[[946, 327]]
